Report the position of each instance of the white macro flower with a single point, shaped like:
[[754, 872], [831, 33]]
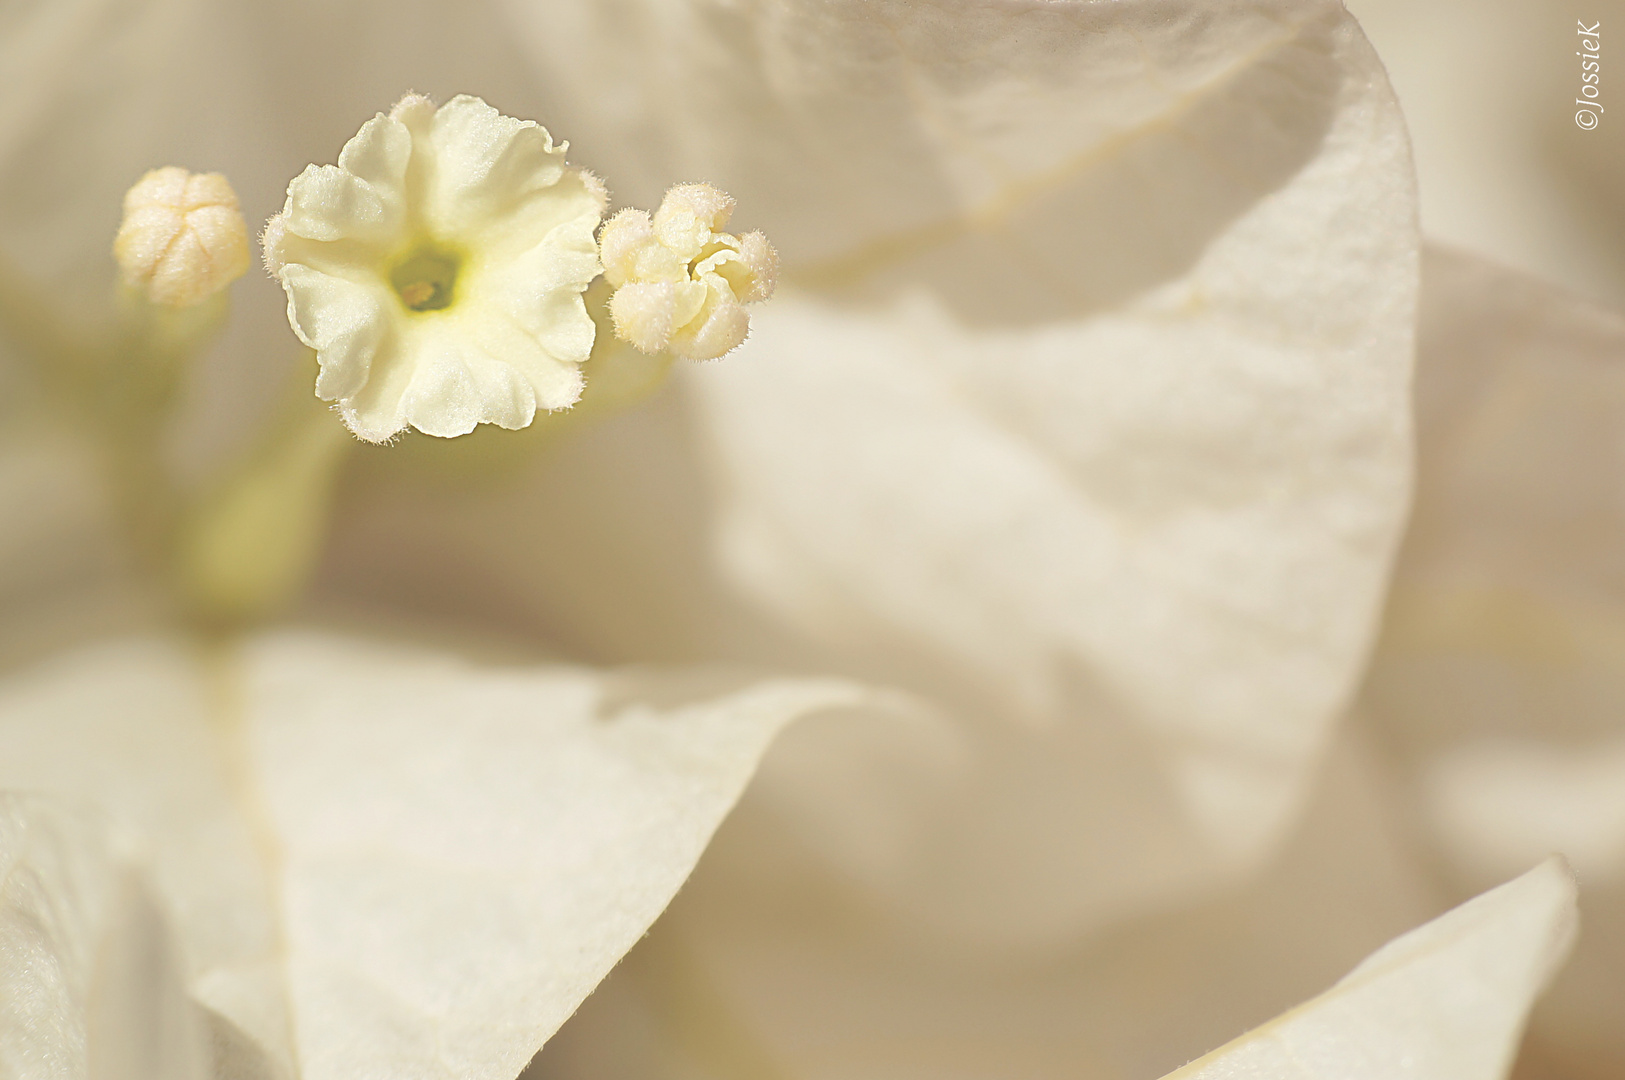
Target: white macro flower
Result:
[[183, 238], [680, 282], [437, 270], [1089, 426]]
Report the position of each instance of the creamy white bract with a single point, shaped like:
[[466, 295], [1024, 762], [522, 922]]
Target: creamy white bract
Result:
[[437, 270]]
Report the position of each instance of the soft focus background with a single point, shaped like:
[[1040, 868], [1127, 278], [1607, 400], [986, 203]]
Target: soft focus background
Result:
[[1488, 88], [1512, 678]]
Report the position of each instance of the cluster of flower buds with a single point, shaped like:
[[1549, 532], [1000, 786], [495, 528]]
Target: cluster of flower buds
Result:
[[681, 283], [457, 301]]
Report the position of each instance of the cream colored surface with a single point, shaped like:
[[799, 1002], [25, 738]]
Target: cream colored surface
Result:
[[718, 990], [679, 280], [380, 860], [89, 981], [1498, 677], [1445, 1001], [1081, 411], [183, 238], [1489, 89], [768, 965]]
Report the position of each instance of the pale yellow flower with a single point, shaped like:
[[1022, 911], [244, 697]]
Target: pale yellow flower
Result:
[[437, 270]]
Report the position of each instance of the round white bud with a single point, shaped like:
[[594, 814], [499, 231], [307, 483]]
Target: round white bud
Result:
[[183, 238]]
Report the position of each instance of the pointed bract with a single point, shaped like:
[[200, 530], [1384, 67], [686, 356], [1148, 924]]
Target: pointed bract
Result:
[[1445, 1002], [382, 860]]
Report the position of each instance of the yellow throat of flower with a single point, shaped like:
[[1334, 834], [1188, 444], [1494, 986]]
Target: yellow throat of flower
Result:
[[426, 278]]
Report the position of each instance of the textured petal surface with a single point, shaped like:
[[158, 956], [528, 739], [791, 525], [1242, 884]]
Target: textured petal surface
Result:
[[1445, 1002], [491, 240], [347, 322], [486, 165], [89, 982], [382, 860], [508, 837], [1083, 411], [327, 203], [128, 728], [1500, 675], [1164, 481]]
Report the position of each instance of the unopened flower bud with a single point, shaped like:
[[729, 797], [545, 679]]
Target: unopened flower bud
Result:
[[183, 238], [689, 215], [680, 283], [755, 272], [631, 252]]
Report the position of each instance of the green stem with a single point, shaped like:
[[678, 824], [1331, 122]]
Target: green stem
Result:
[[247, 547], [242, 548]]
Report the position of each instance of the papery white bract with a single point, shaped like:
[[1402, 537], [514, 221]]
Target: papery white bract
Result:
[[437, 270], [90, 986], [1446, 1001], [379, 860]]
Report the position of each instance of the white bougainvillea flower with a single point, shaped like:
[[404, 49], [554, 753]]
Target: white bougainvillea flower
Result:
[[1058, 419], [379, 860], [183, 238], [1496, 690], [1137, 279], [437, 270], [680, 281]]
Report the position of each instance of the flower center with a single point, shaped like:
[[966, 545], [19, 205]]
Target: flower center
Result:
[[425, 279]]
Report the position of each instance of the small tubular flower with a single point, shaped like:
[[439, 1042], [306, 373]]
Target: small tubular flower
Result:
[[680, 282], [182, 239], [437, 270]]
